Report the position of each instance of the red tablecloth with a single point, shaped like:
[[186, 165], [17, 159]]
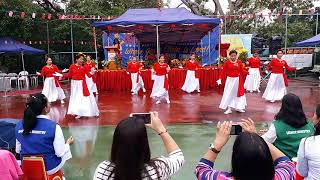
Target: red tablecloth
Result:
[[119, 80]]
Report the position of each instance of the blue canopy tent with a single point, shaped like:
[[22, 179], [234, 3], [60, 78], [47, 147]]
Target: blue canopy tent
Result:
[[7, 133], [166, 25], [315, 40], [11, 46]]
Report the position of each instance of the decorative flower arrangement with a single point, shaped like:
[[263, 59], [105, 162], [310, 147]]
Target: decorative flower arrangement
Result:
[[221, 60], [243, 55]]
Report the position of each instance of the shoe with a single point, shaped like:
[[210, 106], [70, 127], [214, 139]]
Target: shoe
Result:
[[198, 90], [272, 101], [62, 102], [251, 91], [168, 101], [77, 117], [144, 90], [240, 110], [97, 93], [228, 111], [158, 102], [134, 93], [258, 90]]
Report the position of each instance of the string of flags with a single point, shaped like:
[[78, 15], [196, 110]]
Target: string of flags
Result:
[[48, 16], [58, 42]]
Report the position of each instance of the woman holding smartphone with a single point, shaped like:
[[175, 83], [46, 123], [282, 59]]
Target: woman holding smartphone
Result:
[[130, 152]]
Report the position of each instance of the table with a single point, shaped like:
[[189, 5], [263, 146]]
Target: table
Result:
[[119, 80]]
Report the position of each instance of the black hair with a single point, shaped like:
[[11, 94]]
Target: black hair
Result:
[[251, 158], [34, 107], [130, 150], [233, 52], [79, 55], [279, 50], [291, 111]]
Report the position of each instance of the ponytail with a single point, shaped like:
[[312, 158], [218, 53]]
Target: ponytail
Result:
[[34, 107], [317, 126]]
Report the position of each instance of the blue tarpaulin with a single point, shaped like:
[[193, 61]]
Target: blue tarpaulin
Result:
[[315, 40], [7, 133], [9, 45], [175, 25]]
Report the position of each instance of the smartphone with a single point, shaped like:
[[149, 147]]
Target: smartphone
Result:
[[236, 129], [145, 116]]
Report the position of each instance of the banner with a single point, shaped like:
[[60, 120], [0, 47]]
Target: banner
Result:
[[238, 41], [298, 60], [130, 46]]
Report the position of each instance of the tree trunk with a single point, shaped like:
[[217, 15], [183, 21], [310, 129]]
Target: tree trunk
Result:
[[218, 7]]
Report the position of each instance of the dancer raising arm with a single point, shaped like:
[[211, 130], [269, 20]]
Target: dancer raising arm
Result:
[[278, 80], [233, 94], [51, 86], [82, 101], [253, 79]]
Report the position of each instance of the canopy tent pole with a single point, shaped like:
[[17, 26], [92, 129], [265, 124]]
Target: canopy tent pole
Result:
[[22, 59], [286, 34], [315, 54], [209, 49], [201, 49], [158, 42], [95, 41], [71, 34], [48, 38], [219, 44]]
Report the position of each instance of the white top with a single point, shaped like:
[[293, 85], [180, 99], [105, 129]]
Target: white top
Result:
[[166, 167], [308, 164], [61, 149], [271, 135]]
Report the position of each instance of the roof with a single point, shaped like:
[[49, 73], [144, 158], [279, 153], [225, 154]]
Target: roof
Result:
[[9, 45], [175, 24], [315, 40]]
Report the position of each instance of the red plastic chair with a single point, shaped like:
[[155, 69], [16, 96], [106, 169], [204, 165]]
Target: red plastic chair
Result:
[[34, 169]]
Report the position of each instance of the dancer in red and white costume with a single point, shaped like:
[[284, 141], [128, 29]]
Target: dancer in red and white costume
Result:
[[234, 93], [134, 67], [82, 102], [51, 86], [160, 84], [191, 82], [89, 65], [253, 79], [278, 80]]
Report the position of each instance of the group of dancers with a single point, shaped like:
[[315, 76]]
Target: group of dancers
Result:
[[235, 86], [82, 101], [238, 80]]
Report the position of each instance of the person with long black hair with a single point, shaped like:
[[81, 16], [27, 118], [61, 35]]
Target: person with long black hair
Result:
[[130, 153], [39, 135], [289, 127], [308, 164]]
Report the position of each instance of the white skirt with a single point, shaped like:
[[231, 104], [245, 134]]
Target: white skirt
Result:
[[79, 104], [91, 85], [275, 89], [253, 79], [230, 95], [191, 83], [158, 90], [51, 91], [136, 85]]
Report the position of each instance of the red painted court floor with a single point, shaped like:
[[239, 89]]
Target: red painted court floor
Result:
[[184, 108]]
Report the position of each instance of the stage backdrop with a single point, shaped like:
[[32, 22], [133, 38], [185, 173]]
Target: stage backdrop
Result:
[[130, 46], [238, 41]]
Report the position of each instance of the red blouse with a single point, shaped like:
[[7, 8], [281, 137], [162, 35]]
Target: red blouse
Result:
[[89, 66], [133, 67], [233, 69], [254, 62], [159, 69], [192, 66], [77, 72], [277, 66], [48, 71]]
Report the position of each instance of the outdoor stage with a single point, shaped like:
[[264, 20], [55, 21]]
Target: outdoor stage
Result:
[[184, 108]]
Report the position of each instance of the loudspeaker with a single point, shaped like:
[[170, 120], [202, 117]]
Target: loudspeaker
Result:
[[275, 43]]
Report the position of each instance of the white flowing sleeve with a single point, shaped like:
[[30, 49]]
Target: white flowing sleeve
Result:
[[302, 164], [271, 135], [18, 146], [61, 149]]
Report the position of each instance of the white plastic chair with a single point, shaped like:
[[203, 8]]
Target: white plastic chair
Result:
[[13, 77], [23, 78], [34, 80]]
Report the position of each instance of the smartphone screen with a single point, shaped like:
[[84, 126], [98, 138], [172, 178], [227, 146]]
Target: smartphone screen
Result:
[[236, 129], [145, 116]]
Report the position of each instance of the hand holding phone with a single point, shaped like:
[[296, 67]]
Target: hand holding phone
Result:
[[145, 116], [236, 129]]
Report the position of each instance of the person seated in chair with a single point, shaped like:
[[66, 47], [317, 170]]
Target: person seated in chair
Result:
[[37, 135]]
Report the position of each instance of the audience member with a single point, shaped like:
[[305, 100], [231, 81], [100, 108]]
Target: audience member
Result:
[[38, 135], [130, 153], [308, 164], [289, 127], [252, 157], [9, 168]]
